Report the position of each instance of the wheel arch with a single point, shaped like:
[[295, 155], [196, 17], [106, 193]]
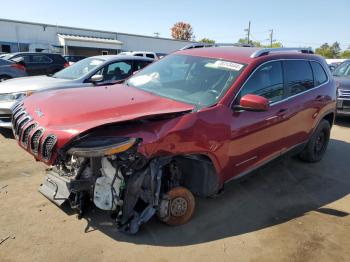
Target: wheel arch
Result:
[[199, 174]]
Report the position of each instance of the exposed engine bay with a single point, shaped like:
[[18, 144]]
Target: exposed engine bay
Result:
[[131, 187]]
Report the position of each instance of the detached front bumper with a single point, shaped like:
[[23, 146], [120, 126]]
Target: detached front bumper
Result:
[[5, 113]]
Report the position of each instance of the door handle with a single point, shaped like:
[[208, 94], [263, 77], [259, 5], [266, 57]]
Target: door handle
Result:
[[280, 114]]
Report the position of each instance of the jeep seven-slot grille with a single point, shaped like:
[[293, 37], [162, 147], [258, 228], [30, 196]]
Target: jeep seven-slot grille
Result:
[[31, 135], [35, 140], [26, 132], [48, 146]]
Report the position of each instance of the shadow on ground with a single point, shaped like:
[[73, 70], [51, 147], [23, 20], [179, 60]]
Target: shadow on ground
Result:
[[284, 190], [342, 121]]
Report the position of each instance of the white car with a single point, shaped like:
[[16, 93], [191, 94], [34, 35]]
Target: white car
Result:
[[141, 53]]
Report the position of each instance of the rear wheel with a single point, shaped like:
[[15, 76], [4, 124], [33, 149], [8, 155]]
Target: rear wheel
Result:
[[4, 78], [317, 145], [178, 207]]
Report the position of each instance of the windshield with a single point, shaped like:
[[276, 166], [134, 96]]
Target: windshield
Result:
[[343, 69], [79, 69], [195, 80]]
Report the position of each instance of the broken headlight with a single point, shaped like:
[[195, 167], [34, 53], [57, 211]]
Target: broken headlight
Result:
[[101, 146]]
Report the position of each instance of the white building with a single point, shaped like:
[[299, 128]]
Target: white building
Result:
[[27, 36]]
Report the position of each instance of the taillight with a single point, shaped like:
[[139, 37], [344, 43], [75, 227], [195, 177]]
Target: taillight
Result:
[[19, 66], [65, 64]]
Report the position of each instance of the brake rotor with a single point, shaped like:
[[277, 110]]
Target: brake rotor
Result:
[[178, 207]]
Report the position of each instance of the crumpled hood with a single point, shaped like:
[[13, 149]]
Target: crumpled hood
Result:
[[30, 83], [80, 109], [344, 82]]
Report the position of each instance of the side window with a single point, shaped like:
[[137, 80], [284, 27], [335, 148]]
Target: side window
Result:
[[117, 71], [267, 81], [140, 64], [138, 55], [320, 76], [150, 56], [26, 58], [299, 76], [42, 59]]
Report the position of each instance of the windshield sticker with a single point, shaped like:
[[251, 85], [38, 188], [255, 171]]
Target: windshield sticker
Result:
[[225, 65]]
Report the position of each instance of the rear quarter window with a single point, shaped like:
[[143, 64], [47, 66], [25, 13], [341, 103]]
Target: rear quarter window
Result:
[[320, 75], [41, 59]]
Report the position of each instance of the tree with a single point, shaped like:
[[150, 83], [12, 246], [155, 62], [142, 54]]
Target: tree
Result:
[[329, 51], [182, 31], [207, 41], [258, 44], [251, 42], [345, 54]]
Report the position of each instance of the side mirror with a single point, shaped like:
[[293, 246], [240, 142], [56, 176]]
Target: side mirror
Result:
[[254, 103], [96, 78]]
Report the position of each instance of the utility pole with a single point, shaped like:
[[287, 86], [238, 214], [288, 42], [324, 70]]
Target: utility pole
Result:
[[156, 34], [248, 33], [271, 37]]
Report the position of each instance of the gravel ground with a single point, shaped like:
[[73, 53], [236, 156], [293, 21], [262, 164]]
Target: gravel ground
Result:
[[288, 211]]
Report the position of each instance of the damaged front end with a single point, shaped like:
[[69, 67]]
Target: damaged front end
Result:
[[111, 173]]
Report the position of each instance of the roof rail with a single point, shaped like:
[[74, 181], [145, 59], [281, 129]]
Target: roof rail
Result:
[[266, 51]]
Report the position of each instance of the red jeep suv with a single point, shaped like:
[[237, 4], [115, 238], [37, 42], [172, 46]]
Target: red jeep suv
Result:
[[184, 125]]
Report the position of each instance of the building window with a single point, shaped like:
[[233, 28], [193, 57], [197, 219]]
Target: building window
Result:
[[6, 48], [104, 52]]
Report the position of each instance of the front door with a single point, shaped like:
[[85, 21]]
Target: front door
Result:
[[259, 136]]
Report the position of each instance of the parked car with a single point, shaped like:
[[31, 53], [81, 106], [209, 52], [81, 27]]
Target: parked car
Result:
[[196, 45], [71, 59], [332, 66], [186, 124], [39, 63], [151, 55], [342, 76], [11, 69], [92, 71]]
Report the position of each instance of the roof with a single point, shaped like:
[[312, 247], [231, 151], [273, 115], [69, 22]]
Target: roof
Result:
[[238, 54], [244, 54], [94, 30], [122, 57], [90, 39]]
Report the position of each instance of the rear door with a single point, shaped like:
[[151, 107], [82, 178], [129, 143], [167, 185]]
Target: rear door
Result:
[[304, 80], [39, 64], [259, 136]]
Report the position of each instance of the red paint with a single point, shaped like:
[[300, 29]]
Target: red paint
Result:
[[254, 102], [235, 141]]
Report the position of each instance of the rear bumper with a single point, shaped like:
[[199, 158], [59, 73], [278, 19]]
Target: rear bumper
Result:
[[5, 113]]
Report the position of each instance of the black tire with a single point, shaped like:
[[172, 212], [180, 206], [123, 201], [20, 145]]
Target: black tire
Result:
[[4, 78], [317, 145]]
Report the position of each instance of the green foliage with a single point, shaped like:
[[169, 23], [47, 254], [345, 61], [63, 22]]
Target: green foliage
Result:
[[345, 54], [207, 40], [329, 51], [258, 44]]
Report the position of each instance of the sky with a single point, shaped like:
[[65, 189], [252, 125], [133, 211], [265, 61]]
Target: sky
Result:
[[295, 23]]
